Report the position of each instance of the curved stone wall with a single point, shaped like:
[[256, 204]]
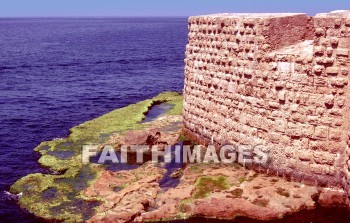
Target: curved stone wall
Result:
[[280, 80]]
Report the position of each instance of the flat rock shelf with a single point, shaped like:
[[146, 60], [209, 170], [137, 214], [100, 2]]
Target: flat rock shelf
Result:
[[197, 192]]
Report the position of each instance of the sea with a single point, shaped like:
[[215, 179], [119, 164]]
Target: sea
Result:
[[56, 73]]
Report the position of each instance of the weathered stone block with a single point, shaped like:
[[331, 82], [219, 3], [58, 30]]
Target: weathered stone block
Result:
[[317, 169], [329, 51], [342, 52], [318, 69], [282, 95], [285, 67], [344, 43], [344, 71], [340, 101], [274, 105], [321, 132], [299, 77], [319, 50], [324, 158], [320, 31], [305, 155], [294, 107], [320, 81], [329, 101], [332, 70], [335, 135], [339, 81]]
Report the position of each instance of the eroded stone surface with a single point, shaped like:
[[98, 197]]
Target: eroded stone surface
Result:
[[280, 80], [249, 194], [207, 190], [126, 193], [165, 130]]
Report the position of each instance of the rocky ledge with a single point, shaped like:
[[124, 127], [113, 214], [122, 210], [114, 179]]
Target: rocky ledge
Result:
[[95, 193]]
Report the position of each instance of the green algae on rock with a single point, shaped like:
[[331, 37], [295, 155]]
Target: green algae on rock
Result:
[[59, 197], [208, 184]]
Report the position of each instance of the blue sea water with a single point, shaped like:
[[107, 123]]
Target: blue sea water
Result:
[[57, 73]]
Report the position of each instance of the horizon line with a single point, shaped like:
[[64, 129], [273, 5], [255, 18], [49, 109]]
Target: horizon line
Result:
[[79, 17]]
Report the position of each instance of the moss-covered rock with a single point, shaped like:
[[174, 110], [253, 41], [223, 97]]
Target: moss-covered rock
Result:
[[207, 184], [59, 196]]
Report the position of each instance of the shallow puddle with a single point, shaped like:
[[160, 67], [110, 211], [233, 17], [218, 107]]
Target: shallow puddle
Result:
[[156, 111], [168, 181]]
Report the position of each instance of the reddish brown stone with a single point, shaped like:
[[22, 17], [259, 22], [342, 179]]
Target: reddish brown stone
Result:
[[287, 87]]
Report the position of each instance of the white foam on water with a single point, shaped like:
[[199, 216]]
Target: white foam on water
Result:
[[10, 196]]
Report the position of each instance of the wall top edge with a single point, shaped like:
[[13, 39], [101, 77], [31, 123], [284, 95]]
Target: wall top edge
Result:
[[251, 15], [335, 14]]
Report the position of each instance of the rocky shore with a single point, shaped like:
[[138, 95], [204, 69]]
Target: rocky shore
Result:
[[75, 192]]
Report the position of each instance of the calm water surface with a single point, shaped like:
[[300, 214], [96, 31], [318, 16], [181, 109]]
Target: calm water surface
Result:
[[57, 73]]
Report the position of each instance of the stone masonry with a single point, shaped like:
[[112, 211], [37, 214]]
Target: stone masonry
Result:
[[280, 80]]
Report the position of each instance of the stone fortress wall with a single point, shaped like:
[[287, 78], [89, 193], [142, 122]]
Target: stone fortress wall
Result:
[[280, 80]]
